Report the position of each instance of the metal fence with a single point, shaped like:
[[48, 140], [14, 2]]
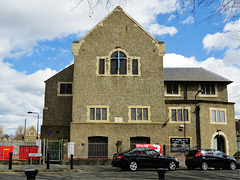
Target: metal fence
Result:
[[20, 149]]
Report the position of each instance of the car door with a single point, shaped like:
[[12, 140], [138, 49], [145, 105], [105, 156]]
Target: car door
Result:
[[209, 157], [152, 158], [142, 157], [221, 158]]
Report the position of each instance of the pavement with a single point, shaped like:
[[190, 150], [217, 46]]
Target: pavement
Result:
[[61, 168]]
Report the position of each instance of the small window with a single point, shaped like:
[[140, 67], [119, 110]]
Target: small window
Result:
[[208, 89], [101, 66], [135, 66], [98, 113], [139, 114], [179, 114], [65, 88], [218, 116], [172, 88]]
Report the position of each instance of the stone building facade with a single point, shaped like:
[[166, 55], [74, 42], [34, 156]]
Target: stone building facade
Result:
[[118, 94]]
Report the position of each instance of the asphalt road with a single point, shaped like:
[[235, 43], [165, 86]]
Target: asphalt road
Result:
[[139, 175]]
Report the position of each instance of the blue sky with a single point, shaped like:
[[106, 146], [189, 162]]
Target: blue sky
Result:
[[36, 40]]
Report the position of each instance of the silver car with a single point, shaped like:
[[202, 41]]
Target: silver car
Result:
[[237, 157]]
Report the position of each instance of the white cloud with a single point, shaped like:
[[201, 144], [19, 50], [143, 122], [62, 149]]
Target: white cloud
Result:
[[215, 65], [24, 23], [161, 30], [189, 20], [228, 40], [20, 93]]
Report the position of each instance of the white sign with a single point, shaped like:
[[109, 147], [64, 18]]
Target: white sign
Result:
[[118, 119], [35, 154], [70, 149]]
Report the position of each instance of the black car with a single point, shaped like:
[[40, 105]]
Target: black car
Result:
[[205, 158], [143, 157]]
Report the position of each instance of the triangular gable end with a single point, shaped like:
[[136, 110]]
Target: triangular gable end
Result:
[[77, 44], [29, 130]]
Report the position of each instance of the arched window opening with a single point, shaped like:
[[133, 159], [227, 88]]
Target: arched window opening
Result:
[[219, 143], [118, 63]]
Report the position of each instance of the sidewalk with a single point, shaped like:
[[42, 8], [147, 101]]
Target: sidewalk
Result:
[[61, 168], [58, 168]]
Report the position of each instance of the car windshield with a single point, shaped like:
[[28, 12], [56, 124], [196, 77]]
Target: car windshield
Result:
[[237, 153]]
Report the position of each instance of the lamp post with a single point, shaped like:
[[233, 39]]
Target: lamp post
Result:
[[197, 109], [30, 112]]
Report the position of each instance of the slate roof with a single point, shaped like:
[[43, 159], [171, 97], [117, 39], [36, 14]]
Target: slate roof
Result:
[[193, 75]]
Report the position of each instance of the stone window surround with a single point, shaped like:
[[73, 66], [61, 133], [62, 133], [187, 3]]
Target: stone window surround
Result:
[[139, 121], [97, 106], [208, 95], [58, 89], [107, 67], [170, 114], [172, 95], [218, 109]]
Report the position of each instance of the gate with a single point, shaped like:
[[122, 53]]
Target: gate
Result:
[[55, 149]]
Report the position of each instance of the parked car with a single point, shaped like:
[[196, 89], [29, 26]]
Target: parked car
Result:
[[206, 158], [237, 157], [143, 158]]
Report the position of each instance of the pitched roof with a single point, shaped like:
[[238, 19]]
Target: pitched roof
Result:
[[193, 75]]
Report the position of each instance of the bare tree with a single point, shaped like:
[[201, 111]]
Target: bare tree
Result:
[[1, 130], [226, 10], [19, 132]]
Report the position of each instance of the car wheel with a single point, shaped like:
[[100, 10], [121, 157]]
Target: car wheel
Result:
[[133, 166], [204, 166], [172, 166], [232, 165]]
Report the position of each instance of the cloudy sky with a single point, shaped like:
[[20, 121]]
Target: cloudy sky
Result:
[[36, 40]]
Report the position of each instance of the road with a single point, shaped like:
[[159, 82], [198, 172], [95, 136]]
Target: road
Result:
[[138, 175]]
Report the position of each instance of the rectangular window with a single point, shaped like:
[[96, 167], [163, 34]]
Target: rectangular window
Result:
[[179, 114], [114, 66], [218, 116], [123, 66], [172, 88], [98, 113], [139, 113], [208, 89], [65, 88], [135, 66], [101, 66]]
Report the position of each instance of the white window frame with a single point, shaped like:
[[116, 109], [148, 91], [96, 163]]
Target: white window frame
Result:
[[98, 107], [136, 114], [59, 84], [179, 108], [165, 89], [208, 95], [218, 113]]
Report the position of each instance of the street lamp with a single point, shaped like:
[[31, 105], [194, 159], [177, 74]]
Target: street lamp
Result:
[[197, 109], [30, 112]]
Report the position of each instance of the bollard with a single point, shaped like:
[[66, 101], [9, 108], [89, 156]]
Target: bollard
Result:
[[31, 173], [161, 173], [71, 166], [48, 161], [10, 161]]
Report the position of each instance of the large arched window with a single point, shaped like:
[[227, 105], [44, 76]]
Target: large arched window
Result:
[[118, 63]]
